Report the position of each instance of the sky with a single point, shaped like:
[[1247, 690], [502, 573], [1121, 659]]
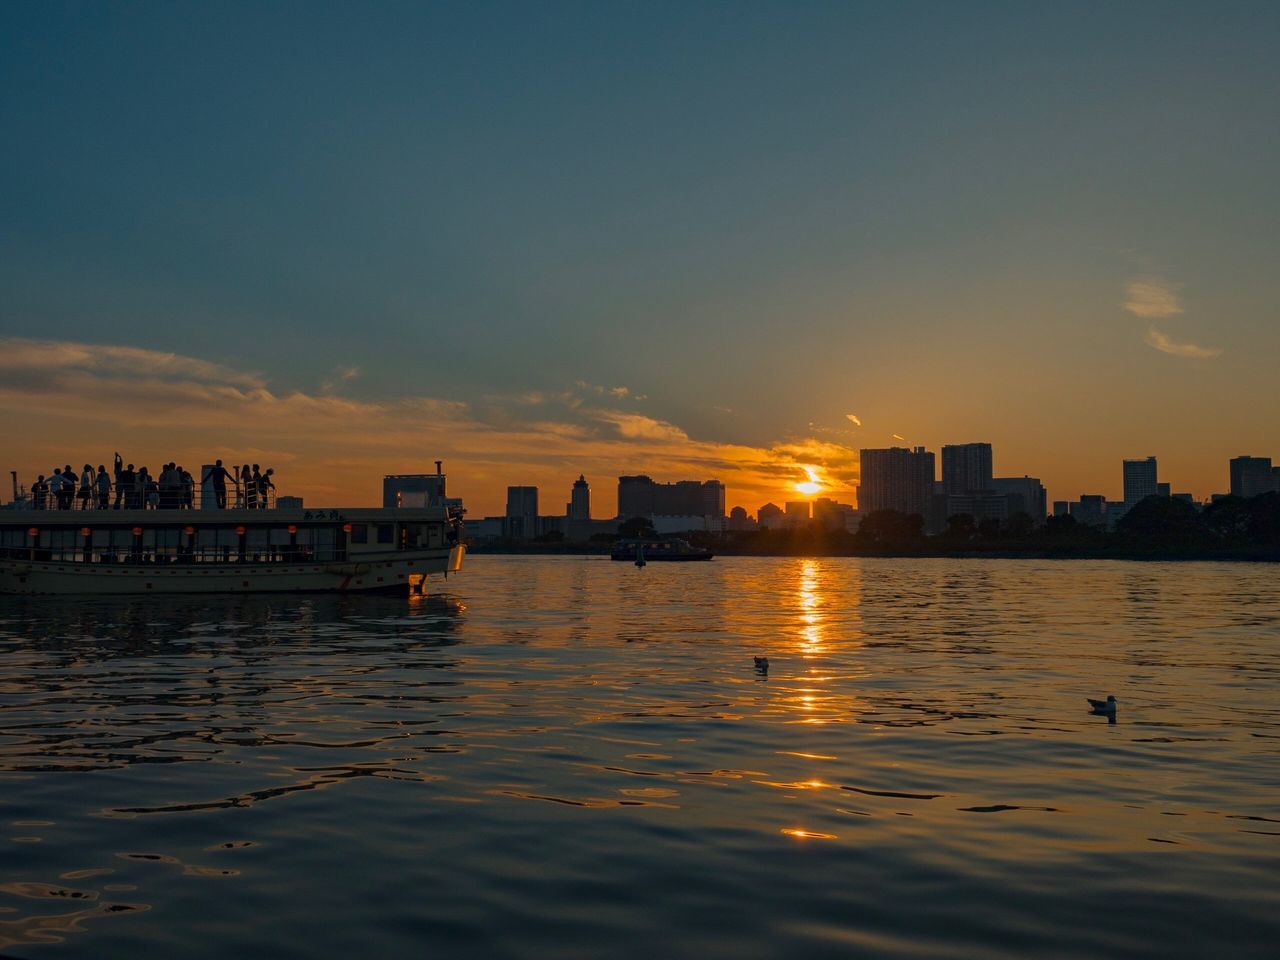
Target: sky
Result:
[[694, 240]]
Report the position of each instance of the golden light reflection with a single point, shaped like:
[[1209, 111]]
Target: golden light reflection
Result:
[[807, 834]]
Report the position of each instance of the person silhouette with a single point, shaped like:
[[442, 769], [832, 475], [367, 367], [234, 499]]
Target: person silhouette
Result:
[[218, 475], [253, 488], [102, 487]]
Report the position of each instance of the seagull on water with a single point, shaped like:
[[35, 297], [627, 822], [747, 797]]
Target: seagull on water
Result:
[[1105, 707], [762, 664]]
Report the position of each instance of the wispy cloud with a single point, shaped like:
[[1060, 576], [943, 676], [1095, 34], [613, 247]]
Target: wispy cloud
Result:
[[340, 377], [600, 390], [897, 436], [1152, 298], [853, 418], [1164, 344]]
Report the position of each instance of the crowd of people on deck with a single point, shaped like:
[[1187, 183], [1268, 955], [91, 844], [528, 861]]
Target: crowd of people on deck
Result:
[[174, 488]]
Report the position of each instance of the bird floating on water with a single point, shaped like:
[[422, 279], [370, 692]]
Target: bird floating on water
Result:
[[1105, 707], [762, 664]]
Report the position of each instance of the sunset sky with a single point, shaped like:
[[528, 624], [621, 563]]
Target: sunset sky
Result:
[[695, 240]]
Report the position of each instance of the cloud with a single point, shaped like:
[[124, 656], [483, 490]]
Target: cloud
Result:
[[86, 400], [340, 378], [1162, 343], [897, 436], [853, 418], [1152, 298], [620, 393]]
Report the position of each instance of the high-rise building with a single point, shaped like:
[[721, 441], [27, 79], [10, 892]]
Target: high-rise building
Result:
[[1139, 481], [579, 507], [640, 496], [966, 468], [522, 512], [798, 513], [1025, 495], [896, 479], [1090, 510], [1251, 476]]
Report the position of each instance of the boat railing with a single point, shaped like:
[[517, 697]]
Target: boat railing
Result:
[[172, 498], [166, 555]]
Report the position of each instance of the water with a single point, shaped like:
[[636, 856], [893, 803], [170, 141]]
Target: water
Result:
[[575, 758]]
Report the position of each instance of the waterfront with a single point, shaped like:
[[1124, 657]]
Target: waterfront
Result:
[[568, 757]]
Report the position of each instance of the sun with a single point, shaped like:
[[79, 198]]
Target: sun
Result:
[[812, 484]]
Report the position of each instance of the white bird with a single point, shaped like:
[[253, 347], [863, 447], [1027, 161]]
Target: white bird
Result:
[[1107, 706]]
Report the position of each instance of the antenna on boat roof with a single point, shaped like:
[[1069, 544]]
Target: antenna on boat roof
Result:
[[14, 474]]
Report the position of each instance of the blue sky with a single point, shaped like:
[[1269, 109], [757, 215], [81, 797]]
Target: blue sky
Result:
[[759, 217]]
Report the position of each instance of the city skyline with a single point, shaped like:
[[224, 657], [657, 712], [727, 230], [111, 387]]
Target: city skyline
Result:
[[533, 241]]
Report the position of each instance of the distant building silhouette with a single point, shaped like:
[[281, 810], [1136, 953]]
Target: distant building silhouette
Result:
[[673, 507], [522, 513], [770, 517], [1139, 481], [740, 520], [896, 479], [1090, 510], [966, 468], [1024, 495], [580, 500], [1251, 476], [797, 513], [835, 516]]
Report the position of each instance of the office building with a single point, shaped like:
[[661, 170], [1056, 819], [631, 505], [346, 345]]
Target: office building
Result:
[[797, 513], [640, 496], [579, 506], [522, 513], [966, 468], [770, 517], [896, 479], [1251, 476], [1024, 495], [1090, 510], [1061, 508], [1139, 481]]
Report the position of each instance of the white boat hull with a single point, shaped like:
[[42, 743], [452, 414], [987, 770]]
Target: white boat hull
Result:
[[401, 572]]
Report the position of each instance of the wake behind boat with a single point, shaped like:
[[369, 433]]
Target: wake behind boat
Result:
[[657, 550]]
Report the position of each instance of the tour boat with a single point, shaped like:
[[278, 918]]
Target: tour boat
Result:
[[659, 549], [235, 550]]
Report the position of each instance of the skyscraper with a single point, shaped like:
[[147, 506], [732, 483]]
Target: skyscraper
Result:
[[896, 479], [966, 467], [522, 512], [640, 496], [580, 500], [1139, 481], [1251, 476]]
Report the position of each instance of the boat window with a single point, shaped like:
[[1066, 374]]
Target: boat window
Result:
[[359, 533], [386, 533]]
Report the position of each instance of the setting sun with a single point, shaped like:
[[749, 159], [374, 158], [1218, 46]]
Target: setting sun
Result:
[[812, 484]]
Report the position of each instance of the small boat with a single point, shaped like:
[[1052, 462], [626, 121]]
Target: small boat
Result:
[[653, 550]]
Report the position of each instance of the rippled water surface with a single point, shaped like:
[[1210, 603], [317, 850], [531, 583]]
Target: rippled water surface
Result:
[[576, 758]]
